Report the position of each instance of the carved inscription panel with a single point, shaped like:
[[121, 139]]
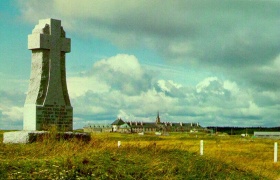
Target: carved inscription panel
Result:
[[55, 115]]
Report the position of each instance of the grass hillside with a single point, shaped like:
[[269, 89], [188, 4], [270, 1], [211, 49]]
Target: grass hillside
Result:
[[140, 157]]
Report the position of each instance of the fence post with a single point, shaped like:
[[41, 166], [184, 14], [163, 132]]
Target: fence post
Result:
[[119, 144], [275, 152], [201, 147]]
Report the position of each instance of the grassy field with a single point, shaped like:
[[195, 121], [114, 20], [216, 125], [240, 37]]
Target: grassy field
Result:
[[141, 157]]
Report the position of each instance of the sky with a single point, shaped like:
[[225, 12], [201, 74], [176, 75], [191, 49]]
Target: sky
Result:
[[216, 62]]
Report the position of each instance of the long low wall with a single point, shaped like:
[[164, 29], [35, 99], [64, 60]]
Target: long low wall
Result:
[[272, 135]]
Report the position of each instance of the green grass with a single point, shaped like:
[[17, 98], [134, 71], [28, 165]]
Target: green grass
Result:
[[139, 157]]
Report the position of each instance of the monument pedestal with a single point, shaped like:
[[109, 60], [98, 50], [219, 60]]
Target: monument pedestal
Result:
[[24, 137]]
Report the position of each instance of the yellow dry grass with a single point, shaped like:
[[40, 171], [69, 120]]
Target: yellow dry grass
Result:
[[247, 154]]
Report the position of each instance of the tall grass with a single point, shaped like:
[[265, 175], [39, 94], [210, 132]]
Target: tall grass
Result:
[[140, 157]]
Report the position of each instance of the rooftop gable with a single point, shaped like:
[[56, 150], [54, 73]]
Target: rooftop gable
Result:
[[118, 122]]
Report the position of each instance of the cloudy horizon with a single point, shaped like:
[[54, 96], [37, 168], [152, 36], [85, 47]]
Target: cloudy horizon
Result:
[[213, 62]]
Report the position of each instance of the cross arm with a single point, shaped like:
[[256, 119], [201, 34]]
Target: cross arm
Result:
[[38, 41], [66, 45]]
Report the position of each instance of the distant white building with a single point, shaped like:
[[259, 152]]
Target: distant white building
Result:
[[272, 135], [139, 126], [98, 128]]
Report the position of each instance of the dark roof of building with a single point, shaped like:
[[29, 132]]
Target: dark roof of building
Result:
[[150, 125], [141, 124], [119, 122]]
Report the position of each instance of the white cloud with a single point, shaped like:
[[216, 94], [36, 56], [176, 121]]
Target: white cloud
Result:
[[168, 85], [127, 117], [251, 110], [11, 108], [271, 68], [118, 73], [210, 84], [180, 48], [122, 72], [13, 113], [78, 86], [121, 63], [231, 86]]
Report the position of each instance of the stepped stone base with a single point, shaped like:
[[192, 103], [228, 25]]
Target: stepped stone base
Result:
[[25, 137]]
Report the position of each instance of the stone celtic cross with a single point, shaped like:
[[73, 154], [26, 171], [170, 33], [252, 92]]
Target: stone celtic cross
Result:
[[47, 103]]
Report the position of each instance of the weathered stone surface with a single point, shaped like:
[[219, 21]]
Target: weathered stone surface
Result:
[[25, 137], [47, 103], [20, 136]]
